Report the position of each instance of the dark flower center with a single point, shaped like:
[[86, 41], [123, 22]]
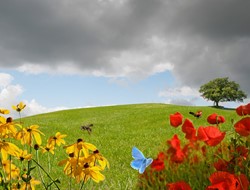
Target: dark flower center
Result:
[[36, 146], [86, 165], [79, 140], [9, 120]]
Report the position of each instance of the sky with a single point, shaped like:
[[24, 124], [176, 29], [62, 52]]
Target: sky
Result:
[[64, 54]]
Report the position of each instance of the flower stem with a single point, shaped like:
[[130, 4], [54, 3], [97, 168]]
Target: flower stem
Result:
[[49, 166], [10, 170], [53, 181], [39, 170], [83, 182], [20, 118]]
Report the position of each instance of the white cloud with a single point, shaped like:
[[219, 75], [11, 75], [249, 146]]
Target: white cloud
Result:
[[181, 91], [180, 101], [5, 79], [184, 95], [68, 68], [33, 68], [10, 95], [137, 64], [8, 92], [34, 108], [162, 67]]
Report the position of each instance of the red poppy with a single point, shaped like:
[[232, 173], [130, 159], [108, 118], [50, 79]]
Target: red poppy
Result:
[[242, 151], [210, 135], [244, 182], [158, 163], [243, 110], [243, 127], [161, 156], [221, 165], [180, 185], [225, 181], [204, 150], [177, 155], [176, 119], [215, 119], [238, 157], [189, 130], [174, 143]]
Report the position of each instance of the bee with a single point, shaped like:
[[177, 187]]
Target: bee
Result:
[[198, 114], [87, 128]]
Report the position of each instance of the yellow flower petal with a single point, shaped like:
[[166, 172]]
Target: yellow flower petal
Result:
[[90, 146], [4, 111], [37, 138]]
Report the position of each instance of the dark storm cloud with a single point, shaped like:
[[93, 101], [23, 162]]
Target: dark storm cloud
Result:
[[216, 39], [214, 19], [42, 31], [47, 31], [203, 39]]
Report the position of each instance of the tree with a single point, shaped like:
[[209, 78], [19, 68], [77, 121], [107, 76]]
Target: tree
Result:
[[222, 90]]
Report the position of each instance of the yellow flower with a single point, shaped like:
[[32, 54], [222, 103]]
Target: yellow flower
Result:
[[71, 164], [80, 147], [23, 155], [15, 186], [49, 148], [19, 107], [26, 135], [57, 139], [100, 158], [90, 172], [8, 148], [20, 135], [30, 185], [2, 120], [4, 111], [7, 127], [10, 169]]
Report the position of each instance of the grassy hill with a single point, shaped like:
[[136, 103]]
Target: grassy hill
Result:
[[116, 130]]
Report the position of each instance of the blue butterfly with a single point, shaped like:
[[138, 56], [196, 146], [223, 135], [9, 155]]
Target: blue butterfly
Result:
[[140, 162]]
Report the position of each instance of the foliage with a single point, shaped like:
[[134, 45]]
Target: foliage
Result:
[[205, 159], [20, 165], [222, 90]]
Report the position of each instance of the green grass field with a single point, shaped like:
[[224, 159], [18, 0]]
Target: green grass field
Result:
[[116, 130]]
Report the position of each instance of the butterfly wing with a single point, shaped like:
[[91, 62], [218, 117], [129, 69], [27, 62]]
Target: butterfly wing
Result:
[[137, 154], [136, 164], [149, 161], [140, 163], [138, 158], [145, 163]]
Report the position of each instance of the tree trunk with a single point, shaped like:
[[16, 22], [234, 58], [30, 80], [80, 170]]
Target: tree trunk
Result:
[[216, 104]]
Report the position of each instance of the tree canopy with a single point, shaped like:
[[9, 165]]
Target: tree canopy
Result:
[[222, 90]]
